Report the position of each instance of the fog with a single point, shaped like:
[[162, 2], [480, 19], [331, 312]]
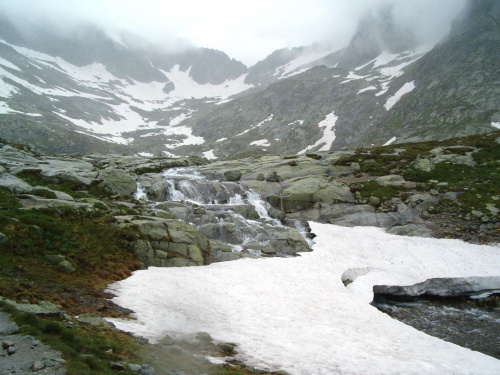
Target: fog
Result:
[[245, 30]]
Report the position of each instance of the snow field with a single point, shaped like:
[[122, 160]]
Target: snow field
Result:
[[295, 313]]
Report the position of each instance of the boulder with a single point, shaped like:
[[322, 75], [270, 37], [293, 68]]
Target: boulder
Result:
[[166, 242], [273, 177], [117, 181], [14, 184], [232, 175], [423, 164], [412, 230], [303, 193], [66, 266], [247, 211], [422, 202], [392, 179]]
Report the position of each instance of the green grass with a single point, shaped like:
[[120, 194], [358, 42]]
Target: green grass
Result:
[[44, 193], [373, 188], [7, 199]]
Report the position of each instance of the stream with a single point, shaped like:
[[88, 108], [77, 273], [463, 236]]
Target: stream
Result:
[[471, 323]]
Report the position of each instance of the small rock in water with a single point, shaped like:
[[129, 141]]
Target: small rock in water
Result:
[[11, 350]]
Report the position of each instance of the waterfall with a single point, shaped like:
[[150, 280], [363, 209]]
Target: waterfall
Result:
[[140, 194], [229, 212]]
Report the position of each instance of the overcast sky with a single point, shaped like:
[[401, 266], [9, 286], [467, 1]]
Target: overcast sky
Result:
[[247, 30]]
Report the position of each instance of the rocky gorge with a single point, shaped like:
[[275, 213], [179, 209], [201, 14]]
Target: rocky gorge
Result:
[[72, 224]]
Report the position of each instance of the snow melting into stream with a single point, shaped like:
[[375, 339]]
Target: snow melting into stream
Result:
[[295, 313]]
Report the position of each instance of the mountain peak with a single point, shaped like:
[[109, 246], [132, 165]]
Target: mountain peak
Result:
[[377, 31]]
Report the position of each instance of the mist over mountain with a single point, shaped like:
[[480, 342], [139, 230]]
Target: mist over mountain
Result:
[[89, 90]]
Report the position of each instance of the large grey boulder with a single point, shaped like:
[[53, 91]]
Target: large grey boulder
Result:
[[166, 242], [13, 183], [303, 193], [117, 181]]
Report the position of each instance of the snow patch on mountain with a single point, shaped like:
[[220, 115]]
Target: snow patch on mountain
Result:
[[186, 87], [261, 142], [328, 134], [209, 154], [405, 89], [392, 140], [301, 122], [252, 127], [366, 89], [299, 65], [8, 64]]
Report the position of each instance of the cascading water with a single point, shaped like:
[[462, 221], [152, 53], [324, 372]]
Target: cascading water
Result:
[[140, 194], [227, 212]]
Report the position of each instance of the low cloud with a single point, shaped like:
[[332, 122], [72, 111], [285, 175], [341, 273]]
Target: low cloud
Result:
[[245, 30]]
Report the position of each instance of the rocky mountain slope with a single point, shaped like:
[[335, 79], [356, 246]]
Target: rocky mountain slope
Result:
[[102, 93]]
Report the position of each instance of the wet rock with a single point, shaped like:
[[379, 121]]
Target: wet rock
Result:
[[276, 214], [247, 211], [232, 175], [227, 347], [3, 238], [203, 336]]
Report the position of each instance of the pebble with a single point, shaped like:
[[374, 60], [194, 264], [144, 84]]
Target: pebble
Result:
[[7, 344]]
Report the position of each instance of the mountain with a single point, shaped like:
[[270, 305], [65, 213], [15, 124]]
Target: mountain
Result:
[[387, 94], [94, 92]]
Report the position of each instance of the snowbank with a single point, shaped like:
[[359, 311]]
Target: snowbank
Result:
[[295, 313]]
